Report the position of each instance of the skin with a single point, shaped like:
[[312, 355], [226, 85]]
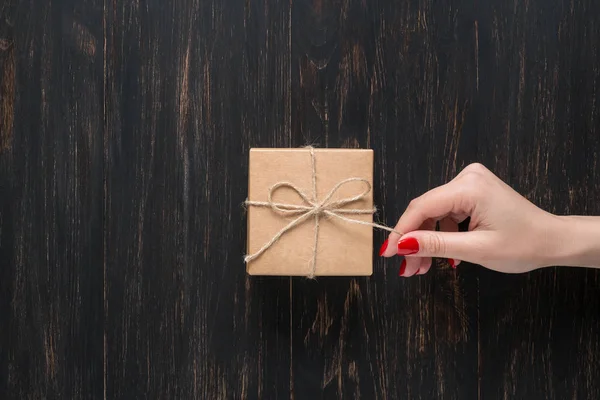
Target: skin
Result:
[[507, 233]]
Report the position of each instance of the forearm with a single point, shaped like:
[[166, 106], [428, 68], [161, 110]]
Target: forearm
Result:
[[575, 242]]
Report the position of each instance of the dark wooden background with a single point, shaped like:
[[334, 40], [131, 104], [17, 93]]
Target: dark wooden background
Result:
[[124, 136]]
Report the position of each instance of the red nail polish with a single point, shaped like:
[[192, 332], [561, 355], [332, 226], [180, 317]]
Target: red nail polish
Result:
[[452, 262], [408, 246], [383, 247], [402, 268]]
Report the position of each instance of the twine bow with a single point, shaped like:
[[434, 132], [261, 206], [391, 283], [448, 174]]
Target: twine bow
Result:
[[312, 207]]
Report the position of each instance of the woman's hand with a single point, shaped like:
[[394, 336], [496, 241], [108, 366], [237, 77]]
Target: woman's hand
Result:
[[507, 233]]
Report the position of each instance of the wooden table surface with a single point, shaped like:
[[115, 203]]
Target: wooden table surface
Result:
[[124, 135]]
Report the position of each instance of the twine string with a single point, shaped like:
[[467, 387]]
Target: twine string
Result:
[[314, 208]]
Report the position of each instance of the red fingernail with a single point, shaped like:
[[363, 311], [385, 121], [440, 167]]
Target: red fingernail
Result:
[[383, 247], [452, 262], [402, 268], [408, 246]]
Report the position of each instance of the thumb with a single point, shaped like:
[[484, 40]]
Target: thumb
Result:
[[467, 246]]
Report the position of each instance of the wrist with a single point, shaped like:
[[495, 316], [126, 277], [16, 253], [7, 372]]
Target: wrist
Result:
[[573, 241]]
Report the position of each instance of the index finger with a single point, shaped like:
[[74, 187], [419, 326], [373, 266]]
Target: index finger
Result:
[[435, 204]]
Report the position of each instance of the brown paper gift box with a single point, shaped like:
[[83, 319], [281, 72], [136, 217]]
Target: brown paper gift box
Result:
[[343, 248]]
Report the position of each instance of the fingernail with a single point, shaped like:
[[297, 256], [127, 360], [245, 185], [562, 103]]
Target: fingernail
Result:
[[383, 247], [408, 246], [452, 262], [402, 268]]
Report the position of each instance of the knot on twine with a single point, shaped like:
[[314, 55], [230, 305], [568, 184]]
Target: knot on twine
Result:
[[314, 208]]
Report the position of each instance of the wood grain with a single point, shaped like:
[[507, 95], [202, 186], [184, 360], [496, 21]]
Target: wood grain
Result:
[[124, 137], [51, 202]]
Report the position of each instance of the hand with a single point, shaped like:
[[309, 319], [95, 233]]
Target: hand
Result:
[[507, 233]]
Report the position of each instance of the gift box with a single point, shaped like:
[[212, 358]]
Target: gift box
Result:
[[310, 212]]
